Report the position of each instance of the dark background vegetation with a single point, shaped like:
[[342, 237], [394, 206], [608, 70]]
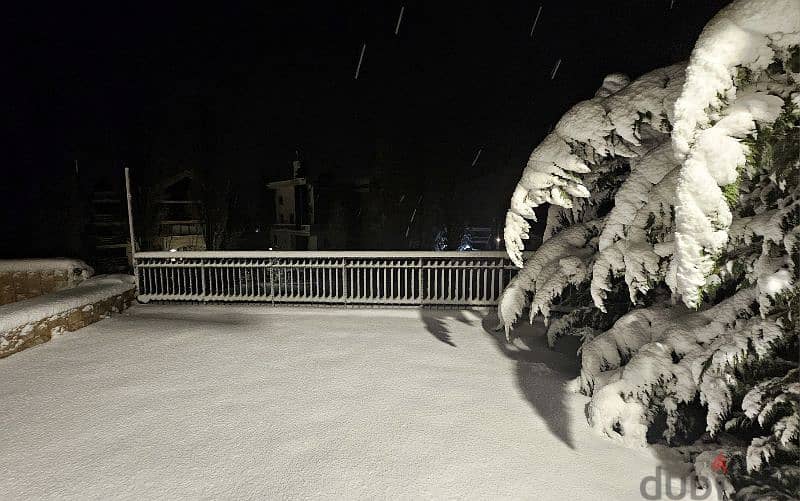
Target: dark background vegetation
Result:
[[235, 90]]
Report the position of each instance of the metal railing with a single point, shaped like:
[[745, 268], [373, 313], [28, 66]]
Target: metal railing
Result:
[[347, 278]]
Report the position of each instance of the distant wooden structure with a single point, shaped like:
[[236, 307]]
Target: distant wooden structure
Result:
[[181, 214], [109, 231]]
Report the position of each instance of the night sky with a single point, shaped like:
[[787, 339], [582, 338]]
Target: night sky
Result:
[[115, 85]]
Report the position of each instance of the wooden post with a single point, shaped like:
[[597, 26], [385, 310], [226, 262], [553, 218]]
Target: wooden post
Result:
[[130, 227]]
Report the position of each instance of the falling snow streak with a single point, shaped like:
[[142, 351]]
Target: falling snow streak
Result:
[[399, 20], [671, 4], [360, 59], [410, 222], [477, 156], [536, 20], [555, 69]]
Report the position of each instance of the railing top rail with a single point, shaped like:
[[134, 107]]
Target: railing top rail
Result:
[[320, 254]]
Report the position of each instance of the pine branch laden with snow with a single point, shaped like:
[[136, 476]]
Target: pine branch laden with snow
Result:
[[669, 351], [594, 132], [624, 127], [717, 109], [672, 248], [555, 265], [774, 404]]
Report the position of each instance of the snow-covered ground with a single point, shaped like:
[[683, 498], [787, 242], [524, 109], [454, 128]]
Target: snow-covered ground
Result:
[[258, 402]]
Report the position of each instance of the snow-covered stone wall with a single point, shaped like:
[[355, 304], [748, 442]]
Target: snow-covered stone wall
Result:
[[26, 278], [34, 321]]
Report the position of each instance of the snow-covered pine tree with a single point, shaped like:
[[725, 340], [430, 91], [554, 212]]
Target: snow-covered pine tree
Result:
[[466, 241], [440, 240], [672, 248]]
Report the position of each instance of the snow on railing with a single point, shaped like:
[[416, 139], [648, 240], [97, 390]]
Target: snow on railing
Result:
[[391, 278]]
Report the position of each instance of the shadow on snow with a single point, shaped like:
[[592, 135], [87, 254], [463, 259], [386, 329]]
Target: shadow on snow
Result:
[[540, 370], [436, 323]]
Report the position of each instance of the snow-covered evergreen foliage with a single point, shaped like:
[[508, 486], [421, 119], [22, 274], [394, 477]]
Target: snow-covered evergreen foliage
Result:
[[440, 240], [466, 241], [738, 80], [672, 248]]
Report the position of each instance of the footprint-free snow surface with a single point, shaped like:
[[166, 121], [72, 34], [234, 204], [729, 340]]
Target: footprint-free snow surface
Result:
[[188, 401]]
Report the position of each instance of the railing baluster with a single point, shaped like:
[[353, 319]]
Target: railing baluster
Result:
[[213, 274], [237, 282], [297, 280], [405, 281], [345, 284], [462, 291], [355, 275], [326, 272], [470, 295], [426, 295], [283, 281], [161, 289], [240, 282], [292, 280], [278, 278], [393, 295], [492, 289], [271, 281], [358, 275], [451, 286]]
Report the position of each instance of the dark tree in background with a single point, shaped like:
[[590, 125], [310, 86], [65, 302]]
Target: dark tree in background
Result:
[[231, 91]]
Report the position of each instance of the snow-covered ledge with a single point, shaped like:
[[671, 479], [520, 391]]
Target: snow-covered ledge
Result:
[[26, 278], [34, 321]]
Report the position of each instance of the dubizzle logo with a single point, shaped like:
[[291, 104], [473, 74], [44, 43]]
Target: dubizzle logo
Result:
[[720, 464], [681, 488]]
